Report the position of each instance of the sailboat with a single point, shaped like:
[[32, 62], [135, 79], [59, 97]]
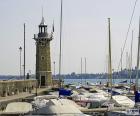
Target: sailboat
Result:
[[133, 111], [62, 91], [137, 94], [116, 99]]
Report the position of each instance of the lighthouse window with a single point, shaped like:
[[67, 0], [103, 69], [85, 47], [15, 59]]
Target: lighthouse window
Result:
[[42, 44], [42, 57], [42, 30]]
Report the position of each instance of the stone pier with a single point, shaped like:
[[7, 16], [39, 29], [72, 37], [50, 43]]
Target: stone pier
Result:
[[12, 87]]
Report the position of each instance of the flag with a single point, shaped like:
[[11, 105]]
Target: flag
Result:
[[53, 27]]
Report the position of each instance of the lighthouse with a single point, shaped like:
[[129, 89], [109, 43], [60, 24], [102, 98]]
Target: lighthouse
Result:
[[43, 58]]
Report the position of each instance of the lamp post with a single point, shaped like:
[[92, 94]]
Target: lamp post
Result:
[[20, 49]]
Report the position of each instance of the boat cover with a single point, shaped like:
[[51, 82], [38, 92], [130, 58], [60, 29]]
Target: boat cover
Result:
[[137, 96], [64, 92]]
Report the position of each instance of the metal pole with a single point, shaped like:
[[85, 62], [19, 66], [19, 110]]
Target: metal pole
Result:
[[81, 70], [85, 70], [131, 59], [138, 56], [37, 66], [24, 51], [110, 64], [60, 78], [20, 49], [127, 61], [121, 63], [85, 66]]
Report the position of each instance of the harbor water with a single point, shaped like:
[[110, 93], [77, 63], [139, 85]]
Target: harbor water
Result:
[[103, 81]]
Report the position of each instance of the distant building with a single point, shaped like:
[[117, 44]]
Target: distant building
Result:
[[43, 60]]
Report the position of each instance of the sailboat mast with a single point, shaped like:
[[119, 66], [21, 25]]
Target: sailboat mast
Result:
[[121, 59], [127, 60], [81, 71], [110, 64], [60, 54], [85, 69], [121, 62], [131, 59], [137, 75]]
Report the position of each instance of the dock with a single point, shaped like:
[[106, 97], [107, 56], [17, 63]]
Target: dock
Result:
[[21, 97], [85, 110]]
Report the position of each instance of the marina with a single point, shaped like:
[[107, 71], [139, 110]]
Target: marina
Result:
[[45, 91], [39, 106]]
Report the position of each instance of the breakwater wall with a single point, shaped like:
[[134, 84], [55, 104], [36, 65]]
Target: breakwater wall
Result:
[[12, 87]]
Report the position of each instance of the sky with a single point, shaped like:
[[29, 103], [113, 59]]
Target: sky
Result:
[[84, 35]]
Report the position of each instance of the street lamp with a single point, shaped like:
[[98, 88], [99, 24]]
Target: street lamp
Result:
[[20, 49]]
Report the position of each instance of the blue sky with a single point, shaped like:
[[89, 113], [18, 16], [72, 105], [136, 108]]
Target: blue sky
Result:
[[84, 32]]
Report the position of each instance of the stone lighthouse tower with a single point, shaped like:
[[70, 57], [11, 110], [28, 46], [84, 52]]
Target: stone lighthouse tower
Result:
[[43, 60]]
